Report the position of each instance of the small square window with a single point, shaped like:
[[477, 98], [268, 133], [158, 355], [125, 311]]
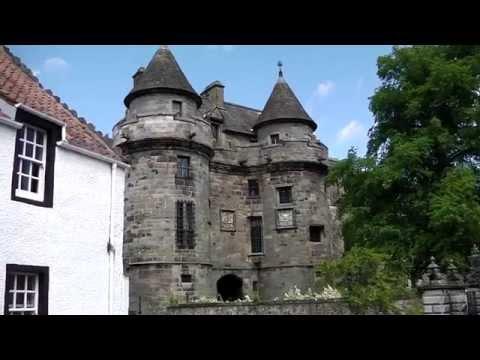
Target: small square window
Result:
[[25, 291], [285, 195], [177, 108], [253, 190], [186, 278], [275, 139], [317, 233]]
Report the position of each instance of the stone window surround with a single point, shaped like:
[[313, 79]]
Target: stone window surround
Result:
[[180, 106], [272, 135], [260, 241], [321, 233], [184, 172], [277, 195]]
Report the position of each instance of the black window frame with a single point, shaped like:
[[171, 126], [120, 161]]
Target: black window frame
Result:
[[256, 234], [53, 132], [182, 171], [253, 190], [43, 285]]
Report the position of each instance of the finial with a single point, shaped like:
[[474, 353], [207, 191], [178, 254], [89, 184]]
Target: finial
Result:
[[164, 47], [280, 72]]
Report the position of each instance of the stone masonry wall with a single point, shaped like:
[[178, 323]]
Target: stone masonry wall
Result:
[[328, 307]]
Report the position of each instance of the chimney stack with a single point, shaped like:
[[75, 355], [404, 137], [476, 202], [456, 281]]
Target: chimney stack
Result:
[[214, 92]]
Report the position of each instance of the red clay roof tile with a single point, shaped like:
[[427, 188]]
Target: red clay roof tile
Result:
[[18, 85]]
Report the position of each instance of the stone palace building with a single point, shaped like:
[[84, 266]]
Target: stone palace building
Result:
[[221, 200]]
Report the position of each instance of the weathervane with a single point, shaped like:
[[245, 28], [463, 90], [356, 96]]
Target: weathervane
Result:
[[280, 72]]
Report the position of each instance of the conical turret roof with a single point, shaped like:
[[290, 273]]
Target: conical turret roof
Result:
[[163, 74], [283, 105]]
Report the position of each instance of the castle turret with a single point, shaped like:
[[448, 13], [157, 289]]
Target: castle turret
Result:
[[283, 116], [299, 227], [168, 145]]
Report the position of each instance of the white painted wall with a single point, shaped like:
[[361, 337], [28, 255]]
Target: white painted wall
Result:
[[70, 238]]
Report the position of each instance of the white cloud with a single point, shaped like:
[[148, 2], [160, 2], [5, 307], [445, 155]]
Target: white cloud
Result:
[[353, 130], [324, 88], [226, 48], [55, 64]]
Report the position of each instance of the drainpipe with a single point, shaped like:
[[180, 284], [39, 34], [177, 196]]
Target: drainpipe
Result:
[[110, 247]]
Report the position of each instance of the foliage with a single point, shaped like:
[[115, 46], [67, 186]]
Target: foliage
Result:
[[366, 279], [416, 191], [327, 293]]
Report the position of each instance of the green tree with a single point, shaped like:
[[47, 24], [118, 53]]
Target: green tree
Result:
[[416, 191], [367, 280]]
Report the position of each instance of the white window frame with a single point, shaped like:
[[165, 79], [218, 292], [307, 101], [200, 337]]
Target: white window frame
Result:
[[28, 194], [12, 308]]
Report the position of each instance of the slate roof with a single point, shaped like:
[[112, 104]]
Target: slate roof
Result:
[[19, 85], [283, 104], [162, 73], [235, 117]]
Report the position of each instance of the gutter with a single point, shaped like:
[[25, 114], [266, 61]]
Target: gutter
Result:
[[11, 123], [65, 145]]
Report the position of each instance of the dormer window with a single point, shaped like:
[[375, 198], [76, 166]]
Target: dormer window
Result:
[[177, 108], [33, 166], [274, 139]]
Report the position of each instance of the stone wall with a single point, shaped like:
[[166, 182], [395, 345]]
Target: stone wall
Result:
[[327, 307], [451, 293]]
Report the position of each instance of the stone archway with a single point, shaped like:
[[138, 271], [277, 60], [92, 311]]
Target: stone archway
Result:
[[230, 287]]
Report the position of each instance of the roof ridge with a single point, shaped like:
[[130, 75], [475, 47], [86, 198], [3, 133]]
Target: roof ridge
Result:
[[242, 106], [104, 137], [22, 66]]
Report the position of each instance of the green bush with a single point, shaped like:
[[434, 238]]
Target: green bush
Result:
[[367, 279]]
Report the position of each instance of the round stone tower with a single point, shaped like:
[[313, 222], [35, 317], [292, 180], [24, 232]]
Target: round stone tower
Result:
[[299, 229], [168, 145]]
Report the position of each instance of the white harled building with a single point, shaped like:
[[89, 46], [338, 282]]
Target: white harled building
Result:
[[61, 205]]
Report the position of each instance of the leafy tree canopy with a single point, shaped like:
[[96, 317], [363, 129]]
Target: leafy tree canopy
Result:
[[416, 191], [366, 279]]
